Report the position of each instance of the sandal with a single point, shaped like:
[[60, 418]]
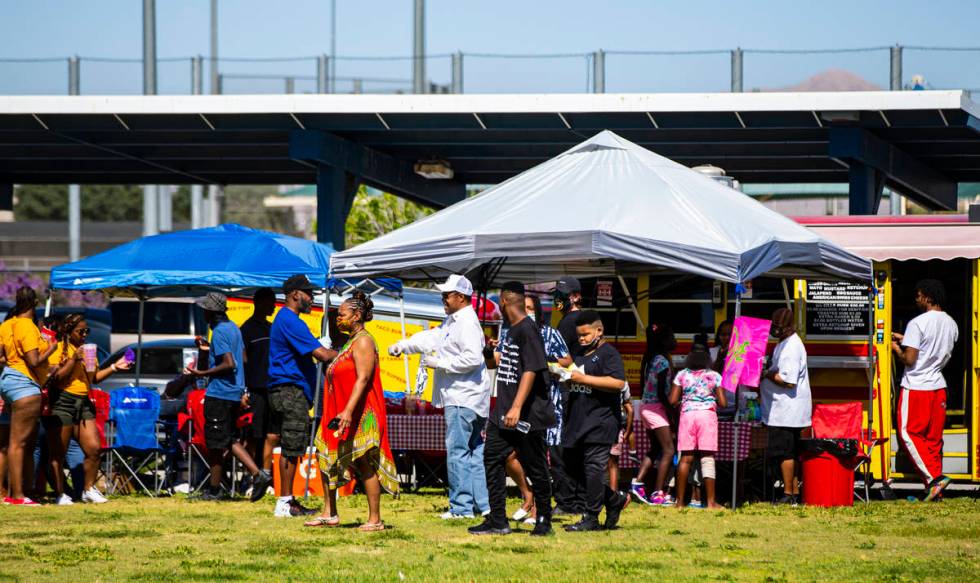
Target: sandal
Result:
[[323, 521], [372, 527]]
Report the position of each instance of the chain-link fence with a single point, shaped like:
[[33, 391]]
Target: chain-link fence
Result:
[[715, 70]]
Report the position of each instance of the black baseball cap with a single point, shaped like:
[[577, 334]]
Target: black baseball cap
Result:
[[297, 282], [568, 285]]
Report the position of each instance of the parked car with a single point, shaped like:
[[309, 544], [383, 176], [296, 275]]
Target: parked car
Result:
[[163, 319], [99, 322], [162, 361]]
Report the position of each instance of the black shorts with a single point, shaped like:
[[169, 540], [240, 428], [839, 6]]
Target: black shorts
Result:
[[69, 409], [258, 405], [783, 442], [220, 417], [291, 416]]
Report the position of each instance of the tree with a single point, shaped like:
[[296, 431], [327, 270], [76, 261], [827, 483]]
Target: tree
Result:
[[375, 213], [100, 202], [244, 205]]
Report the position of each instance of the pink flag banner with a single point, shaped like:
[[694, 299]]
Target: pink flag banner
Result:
[[746, 353]]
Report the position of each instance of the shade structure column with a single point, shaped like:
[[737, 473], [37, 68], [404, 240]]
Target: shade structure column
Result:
[[335, 191], [865, 188]]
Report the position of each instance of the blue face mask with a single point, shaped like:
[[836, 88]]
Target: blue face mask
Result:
[[532, 316]]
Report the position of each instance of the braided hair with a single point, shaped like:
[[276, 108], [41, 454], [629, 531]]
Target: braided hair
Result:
[[68, 326], [361, 303]]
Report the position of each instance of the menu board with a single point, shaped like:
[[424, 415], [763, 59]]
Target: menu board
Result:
[[838, 309]]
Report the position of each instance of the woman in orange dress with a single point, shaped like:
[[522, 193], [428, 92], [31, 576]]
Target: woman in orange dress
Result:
[[352, 440]]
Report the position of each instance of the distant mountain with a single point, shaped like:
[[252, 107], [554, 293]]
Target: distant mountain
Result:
[[831, 80]]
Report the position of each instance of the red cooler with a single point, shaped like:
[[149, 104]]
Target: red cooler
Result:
[[827, 480]]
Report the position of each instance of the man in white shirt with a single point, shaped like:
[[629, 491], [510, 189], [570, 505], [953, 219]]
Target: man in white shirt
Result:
[[461, 386], [924, 349], [787, 404]]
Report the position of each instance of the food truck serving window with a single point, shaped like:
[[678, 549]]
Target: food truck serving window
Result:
[[762, 297], [682, 302], [606, 296]]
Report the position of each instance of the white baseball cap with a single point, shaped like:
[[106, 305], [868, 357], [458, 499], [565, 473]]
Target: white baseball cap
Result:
[[456, 283]]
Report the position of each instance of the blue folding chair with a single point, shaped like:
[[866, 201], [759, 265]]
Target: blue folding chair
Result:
[[133, 438]]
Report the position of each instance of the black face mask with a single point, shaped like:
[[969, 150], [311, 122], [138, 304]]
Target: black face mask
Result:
[[594, 344]]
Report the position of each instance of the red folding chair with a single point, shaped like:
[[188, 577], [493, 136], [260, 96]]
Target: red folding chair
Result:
[[843, 421], [192, 422]]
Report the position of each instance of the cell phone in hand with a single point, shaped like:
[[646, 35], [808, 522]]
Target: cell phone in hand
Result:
[[334, 424], [522, 426]]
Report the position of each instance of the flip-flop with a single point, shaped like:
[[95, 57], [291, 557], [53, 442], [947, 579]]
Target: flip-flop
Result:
[[323, 521], [372, 527]]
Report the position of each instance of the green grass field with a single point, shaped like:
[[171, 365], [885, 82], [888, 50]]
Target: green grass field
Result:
[[172, 539]]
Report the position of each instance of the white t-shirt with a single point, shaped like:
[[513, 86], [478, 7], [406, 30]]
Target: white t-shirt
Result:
[[934, 333], [788, 407]]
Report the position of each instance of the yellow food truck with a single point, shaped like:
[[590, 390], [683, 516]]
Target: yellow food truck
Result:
[[833, 320]]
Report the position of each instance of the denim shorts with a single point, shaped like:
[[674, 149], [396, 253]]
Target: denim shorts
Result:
[[14, 386]]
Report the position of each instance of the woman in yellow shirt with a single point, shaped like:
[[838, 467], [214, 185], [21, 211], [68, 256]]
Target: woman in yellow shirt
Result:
[[72, 413], [20, 387]]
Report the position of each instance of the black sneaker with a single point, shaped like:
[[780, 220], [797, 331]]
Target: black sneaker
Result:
[[487, 527], [208, 495], [614, 509], [542, 527], [562, 511], [588, 523], [787, 500], [935, 490], [259, 485], [297, 509]]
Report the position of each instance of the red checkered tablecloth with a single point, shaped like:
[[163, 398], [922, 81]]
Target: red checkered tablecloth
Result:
[[428, 432], [751, 435], [417, 432]]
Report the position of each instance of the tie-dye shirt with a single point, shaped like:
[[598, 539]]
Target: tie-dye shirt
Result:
[[698, 389], [651, 394]]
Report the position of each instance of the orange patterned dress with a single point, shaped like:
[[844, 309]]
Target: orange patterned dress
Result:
[[367, 435]]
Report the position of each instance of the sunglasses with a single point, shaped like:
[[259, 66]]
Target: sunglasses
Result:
[[84, 331]]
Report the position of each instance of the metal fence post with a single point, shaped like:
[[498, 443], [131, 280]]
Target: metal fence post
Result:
[[197, 75], [457, 82], [896, 68], [321, 74], [737, 69], [599, 71]]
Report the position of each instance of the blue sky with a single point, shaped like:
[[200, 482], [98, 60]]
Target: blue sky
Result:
[[254, 28]]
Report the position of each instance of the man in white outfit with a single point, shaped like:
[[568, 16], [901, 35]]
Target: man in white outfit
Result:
[[461, 386]]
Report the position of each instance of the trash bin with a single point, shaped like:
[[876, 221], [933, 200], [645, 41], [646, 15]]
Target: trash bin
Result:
[[828, 471]]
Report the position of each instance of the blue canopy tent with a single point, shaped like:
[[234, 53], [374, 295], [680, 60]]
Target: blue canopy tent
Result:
[[229, 258]]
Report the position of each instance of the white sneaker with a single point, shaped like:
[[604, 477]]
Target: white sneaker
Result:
[[282, 509], [93, 496], [182, 488], [449, 515], [65, 500], [521, 514], [530, 520]]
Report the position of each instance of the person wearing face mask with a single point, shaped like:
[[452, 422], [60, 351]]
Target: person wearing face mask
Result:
[[352, 439], [568, 300], [593, 416], [786, 402], [292, 376]]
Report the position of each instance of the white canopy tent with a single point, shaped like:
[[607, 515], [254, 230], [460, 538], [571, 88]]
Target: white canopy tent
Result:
[[604, 207]]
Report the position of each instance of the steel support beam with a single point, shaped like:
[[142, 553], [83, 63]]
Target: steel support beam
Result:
[[599, 71], [901, 171], [213, 57], [737, 70], [865, 185], [419, 82], [335, 191], [896, 68], [374, 168], [457, 78]]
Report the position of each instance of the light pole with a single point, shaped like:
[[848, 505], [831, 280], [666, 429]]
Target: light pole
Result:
[[418, 62]]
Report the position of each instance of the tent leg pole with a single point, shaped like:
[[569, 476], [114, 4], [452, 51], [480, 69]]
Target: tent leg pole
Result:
[[401, 314], [324, 326], [139, 339], [738, 312], [629, 297]]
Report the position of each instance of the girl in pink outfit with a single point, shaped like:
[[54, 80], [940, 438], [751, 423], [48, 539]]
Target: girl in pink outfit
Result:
[[698, 390], [655, 372]]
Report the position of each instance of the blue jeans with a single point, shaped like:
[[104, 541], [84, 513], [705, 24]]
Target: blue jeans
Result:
[[464, 461]]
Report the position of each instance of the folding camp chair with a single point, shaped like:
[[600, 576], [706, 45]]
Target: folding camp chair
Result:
[[132, 439], [843, 421], [193, 422]]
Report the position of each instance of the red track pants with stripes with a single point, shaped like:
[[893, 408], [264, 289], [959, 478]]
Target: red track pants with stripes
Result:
[[921, 419]]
